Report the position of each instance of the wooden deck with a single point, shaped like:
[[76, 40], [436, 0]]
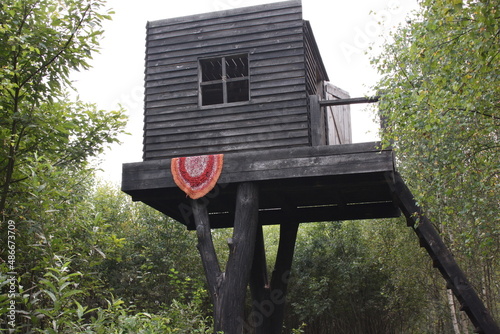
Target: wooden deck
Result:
[[306, 184]]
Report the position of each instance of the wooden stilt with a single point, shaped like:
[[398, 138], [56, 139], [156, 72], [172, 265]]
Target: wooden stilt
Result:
[[206, 246], [268, 304], [259, 287], [228, 289], [281, 273]]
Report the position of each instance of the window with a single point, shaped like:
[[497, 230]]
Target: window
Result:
[[224, 80]]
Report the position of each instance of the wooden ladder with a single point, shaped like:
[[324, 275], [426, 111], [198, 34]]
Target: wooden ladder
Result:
[[442, 257]]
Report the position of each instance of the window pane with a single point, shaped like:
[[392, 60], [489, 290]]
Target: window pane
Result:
[[211, 94], [237, 91], [236, 67], [211, 69]]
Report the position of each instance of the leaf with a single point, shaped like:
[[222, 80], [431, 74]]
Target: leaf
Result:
[[71, 293], [80, 310], [51, 295]]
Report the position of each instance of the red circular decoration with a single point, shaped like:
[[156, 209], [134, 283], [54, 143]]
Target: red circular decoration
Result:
[[196, 176]]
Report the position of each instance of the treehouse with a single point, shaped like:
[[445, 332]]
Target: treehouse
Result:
[[247, 83], [242, 128]]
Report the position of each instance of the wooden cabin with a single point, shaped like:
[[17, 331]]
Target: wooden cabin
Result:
[[250, 83], [238, 80]]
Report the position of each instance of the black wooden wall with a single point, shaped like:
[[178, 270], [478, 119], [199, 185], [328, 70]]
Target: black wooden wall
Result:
[[276, 115], [315, 70]]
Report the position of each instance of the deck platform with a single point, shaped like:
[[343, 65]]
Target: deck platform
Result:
[[305, 184]]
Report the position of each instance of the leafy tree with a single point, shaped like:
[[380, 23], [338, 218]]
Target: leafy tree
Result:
[[106, 245], [41, 42], [337, 283], [56, 307], [138, 253], [46, 140], [365, 277], [415, 300], [440, 102]]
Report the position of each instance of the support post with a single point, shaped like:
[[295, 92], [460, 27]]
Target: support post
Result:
[[228, 289], [206, 247], [268, 305], [260, 288], [317, 117]]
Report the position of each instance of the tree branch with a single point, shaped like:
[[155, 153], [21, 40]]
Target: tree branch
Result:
[[64, 47], [496, 118]]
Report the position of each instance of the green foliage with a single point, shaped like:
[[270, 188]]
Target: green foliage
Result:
[[138, 250], [300, 329], [57, 285], [42, 133], [337, 284], [41, 42], [116, 247], [440, 96], [179, 318], [46, 141], [365, 277], [414, 294], [55, 307]]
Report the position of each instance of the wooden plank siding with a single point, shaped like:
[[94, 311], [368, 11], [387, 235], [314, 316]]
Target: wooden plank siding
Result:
[[338, 118], [276, 116], [315, 69]]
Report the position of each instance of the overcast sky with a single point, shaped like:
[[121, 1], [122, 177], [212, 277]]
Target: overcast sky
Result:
[[344, 30]]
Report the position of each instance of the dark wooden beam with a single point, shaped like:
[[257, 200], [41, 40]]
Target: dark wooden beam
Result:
[[262, 308], [228, 289], [269, 297], [317, 128], [317, 214], [239, 263], [281, 274], [324, 183], [354, 100], [206, 247], [270, 164]]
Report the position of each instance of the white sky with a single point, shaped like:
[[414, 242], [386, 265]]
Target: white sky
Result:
[[344, 30]]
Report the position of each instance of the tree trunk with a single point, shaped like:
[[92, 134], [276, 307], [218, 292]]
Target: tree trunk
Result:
[[453, 312], [228, 290]]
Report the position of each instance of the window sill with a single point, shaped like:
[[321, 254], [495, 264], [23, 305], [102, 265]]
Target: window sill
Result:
[[224, 105]]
